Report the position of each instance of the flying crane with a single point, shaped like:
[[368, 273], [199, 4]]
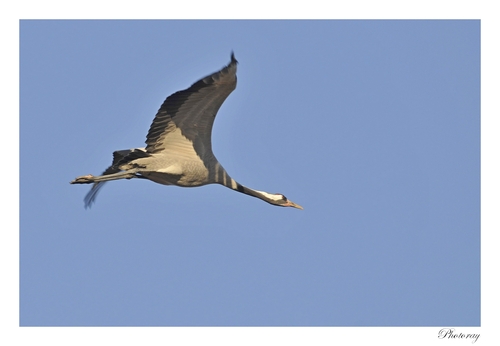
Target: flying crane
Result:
[[179, 145]]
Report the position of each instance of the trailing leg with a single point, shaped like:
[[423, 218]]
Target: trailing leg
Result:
[[89, 179]]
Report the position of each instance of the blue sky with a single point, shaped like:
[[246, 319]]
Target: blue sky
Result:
[[371, 126]]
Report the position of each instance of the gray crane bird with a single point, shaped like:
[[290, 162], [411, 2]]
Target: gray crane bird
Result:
[[179, 144]]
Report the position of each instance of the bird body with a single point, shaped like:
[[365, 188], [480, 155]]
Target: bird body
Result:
[[179, 146]]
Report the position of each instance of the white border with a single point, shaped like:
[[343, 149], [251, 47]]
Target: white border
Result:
[[382, 9]]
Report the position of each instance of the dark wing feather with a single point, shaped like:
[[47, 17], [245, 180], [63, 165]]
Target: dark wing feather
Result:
[[193, 111], [120, 157]]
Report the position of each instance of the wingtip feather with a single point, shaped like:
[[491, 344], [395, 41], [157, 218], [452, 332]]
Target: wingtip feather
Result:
[[233, 59]]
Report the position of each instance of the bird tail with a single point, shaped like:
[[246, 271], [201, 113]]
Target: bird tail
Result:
[[120, 157]]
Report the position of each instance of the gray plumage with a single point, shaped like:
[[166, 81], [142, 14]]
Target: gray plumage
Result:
[[179, 143]]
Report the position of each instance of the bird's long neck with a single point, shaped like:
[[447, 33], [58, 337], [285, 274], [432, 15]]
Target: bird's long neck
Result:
[[251, 192], [220, 176]]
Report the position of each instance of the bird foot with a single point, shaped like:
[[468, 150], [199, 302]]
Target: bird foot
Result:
[[85, 179]]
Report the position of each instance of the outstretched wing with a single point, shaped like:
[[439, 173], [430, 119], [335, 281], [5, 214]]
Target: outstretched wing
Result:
[[192, 111]]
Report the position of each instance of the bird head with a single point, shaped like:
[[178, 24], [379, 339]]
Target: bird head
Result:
[[278, 199], [282, 201]]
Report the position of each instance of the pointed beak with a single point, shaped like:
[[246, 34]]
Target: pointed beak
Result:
[[291, 204]]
